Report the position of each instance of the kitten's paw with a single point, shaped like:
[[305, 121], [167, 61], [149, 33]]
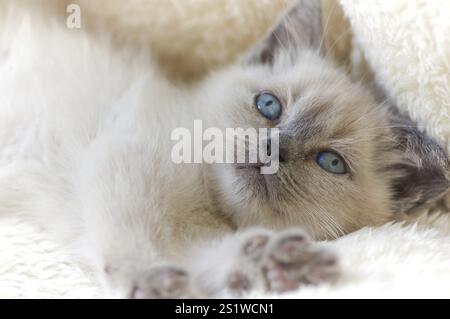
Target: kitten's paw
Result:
[[291, 260], [163, 282], [280, 263]]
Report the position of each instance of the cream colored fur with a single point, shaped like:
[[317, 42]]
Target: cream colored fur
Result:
[[393, 231]]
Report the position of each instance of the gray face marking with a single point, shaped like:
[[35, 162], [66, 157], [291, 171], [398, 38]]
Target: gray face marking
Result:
[[425, 168], [390, 165]]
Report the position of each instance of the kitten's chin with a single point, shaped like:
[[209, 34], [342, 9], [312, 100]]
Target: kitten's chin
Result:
[[242, 193]]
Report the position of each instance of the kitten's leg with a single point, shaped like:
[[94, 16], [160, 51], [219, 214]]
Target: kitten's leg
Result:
[[126, 232], [129, 262], [129, 266], [263, 260]]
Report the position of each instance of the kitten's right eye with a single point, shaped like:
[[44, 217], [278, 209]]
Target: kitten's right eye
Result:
[[331, 162], [269, 106]]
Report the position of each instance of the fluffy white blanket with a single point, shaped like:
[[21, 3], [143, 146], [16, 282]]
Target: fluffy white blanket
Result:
[[407, 43]]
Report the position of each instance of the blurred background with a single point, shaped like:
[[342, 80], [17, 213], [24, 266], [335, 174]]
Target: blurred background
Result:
[[190, 37]]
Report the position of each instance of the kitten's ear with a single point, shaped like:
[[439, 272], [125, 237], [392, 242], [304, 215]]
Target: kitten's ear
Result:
[[423, 171], [299, 28]]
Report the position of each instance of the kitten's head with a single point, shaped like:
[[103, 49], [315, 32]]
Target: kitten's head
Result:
[[345, 161]]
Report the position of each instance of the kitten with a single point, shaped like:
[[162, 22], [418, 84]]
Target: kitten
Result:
[[85, 151]]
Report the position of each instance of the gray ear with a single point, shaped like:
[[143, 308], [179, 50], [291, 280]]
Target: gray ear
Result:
[[424, 169], [299, 28]]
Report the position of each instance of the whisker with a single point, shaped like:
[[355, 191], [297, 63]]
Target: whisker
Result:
[[325, 28]]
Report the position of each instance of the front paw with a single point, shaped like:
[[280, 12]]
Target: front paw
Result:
[[161, 282], [280, 263]]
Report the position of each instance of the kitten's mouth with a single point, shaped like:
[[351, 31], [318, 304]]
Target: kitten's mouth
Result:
[[253, 169], [250, 166]]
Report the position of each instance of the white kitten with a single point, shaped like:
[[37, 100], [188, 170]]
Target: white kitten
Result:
[[85, 151]]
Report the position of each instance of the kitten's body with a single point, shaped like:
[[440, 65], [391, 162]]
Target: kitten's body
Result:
[[85, 150]]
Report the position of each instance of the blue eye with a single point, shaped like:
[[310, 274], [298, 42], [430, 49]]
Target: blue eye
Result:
[[331, 162], [269, 106]]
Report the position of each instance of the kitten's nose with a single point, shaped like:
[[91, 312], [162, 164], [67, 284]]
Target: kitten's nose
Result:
[[282, 152], [282, 155]]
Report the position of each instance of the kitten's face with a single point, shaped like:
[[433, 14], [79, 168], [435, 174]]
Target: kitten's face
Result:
[[340, 164], [322, 113]]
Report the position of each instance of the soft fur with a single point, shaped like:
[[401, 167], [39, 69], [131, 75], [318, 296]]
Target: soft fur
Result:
[[130, 93]]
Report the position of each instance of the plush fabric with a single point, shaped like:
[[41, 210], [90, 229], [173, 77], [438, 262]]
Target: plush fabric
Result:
[[406, 43]]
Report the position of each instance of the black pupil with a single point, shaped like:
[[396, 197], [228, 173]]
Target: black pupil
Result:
[[335, 162], [269, 103]]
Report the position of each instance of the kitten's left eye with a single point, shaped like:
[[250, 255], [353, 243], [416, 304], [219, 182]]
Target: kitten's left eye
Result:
[[269, 106], [331, 162]]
